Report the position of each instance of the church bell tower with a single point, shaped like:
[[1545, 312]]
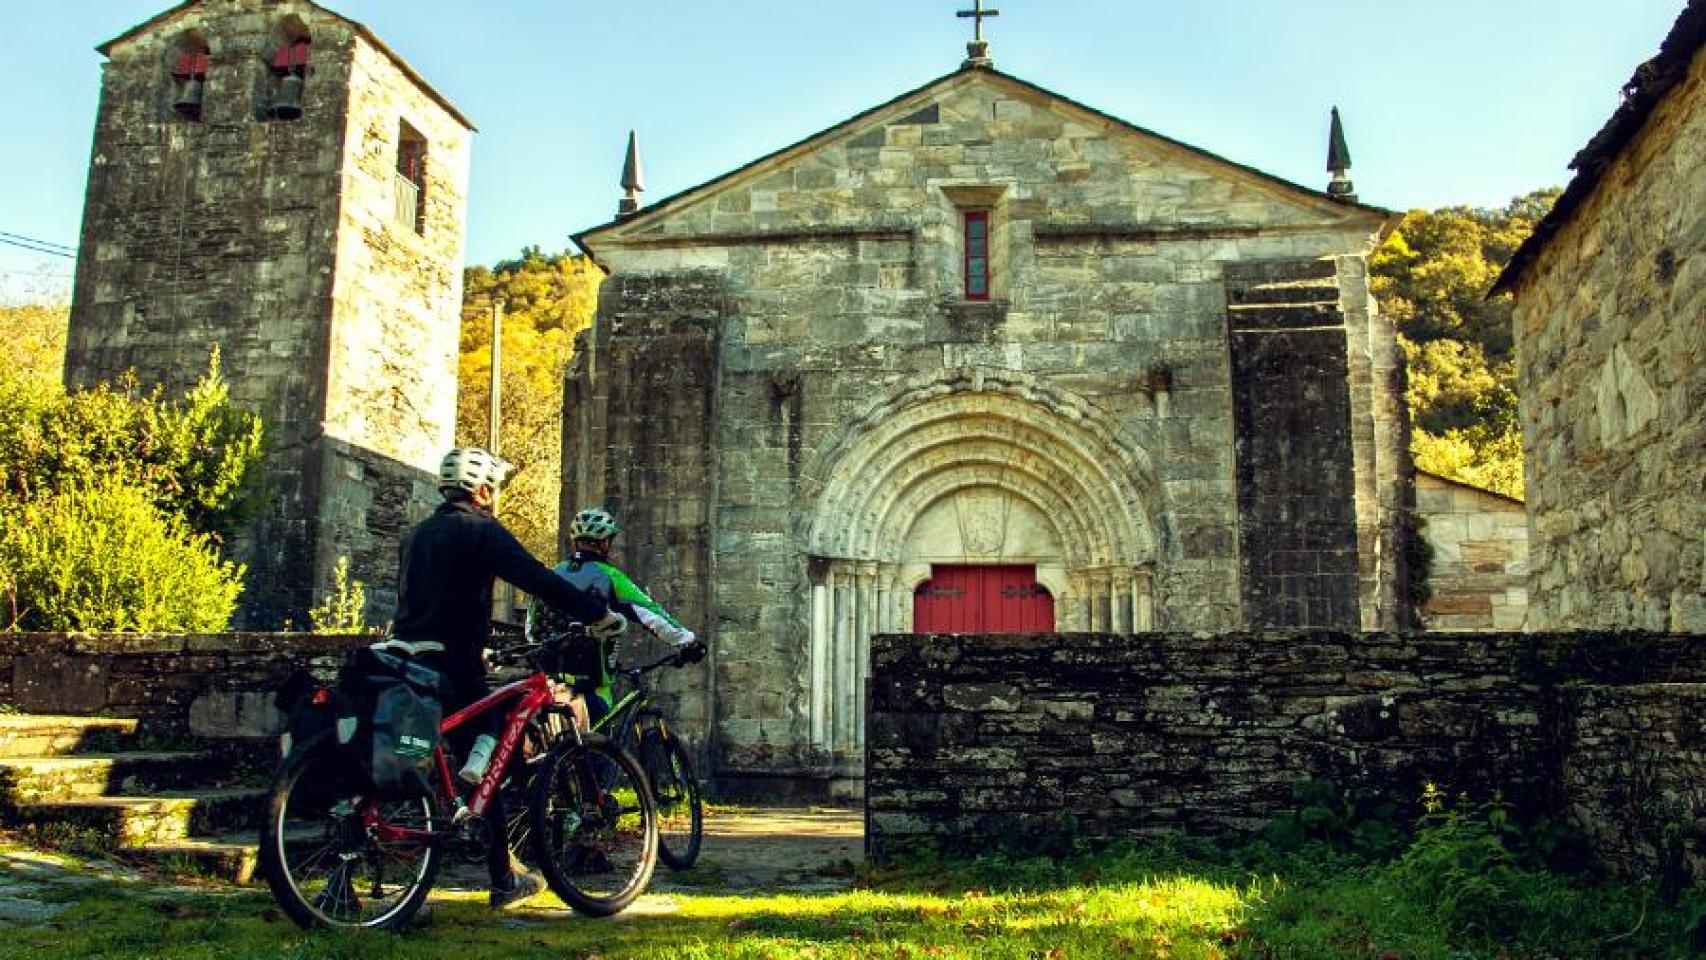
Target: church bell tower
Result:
[[269, 179]]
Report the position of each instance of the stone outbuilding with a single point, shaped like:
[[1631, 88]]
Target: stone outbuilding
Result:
[[1610, 326], [983, 358], [270, 178], [1477, 572]]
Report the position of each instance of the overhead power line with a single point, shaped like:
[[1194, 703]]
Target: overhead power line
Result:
[[35, 247], [38, 242]]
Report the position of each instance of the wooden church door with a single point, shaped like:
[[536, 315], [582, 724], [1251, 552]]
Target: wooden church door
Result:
[[982, 599]]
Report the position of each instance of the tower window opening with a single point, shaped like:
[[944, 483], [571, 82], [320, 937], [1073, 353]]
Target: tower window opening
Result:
[[977, 254], [189, 79], [410, 180], [289, 79]]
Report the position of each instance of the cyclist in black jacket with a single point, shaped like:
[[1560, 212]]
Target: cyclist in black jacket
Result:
[[444, 608]]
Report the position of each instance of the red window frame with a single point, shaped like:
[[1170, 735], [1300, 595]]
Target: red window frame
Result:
[[292, 57], [411, 161], [191, 66], [975, 265]]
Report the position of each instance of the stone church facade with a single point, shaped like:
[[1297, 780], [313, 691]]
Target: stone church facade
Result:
[[270, 179], [983, 352]]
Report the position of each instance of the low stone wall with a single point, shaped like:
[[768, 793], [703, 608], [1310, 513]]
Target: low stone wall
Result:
[[970, 737], [215, 685]]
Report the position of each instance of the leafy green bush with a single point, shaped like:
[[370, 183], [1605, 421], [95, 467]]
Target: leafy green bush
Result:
[[102, 556], [1359, 821], [197, 457]]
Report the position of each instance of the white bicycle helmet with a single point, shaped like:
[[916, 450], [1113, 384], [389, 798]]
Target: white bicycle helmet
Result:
[[593, 523], [470, 468]]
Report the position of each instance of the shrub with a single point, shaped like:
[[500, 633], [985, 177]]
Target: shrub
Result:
[[101, 556], [197, 457], [344, 610]]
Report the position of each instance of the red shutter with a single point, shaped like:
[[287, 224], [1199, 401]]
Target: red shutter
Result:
[[982, 599], [291, 56], [191, 65]]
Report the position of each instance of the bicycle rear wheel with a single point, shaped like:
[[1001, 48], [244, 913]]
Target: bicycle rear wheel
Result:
[[681, 814], [594, 826], [336, 857]]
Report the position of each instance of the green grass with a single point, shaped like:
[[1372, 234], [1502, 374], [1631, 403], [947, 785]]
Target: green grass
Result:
[[1447, 894]]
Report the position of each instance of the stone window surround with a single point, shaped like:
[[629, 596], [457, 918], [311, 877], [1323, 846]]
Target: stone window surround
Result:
[[960, 197], [410, 182]]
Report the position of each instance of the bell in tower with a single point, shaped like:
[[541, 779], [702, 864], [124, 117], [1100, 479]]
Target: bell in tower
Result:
[[287, 103], [190, 95]]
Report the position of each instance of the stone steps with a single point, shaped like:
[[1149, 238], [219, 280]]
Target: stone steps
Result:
[[230, 857], [26, 780], [26, 735], [175, 808], [137, 821]]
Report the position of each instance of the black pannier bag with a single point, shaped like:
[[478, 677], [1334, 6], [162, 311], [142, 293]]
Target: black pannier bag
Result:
[[388, 717]]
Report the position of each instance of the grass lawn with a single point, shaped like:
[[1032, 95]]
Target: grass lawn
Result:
[[1464, 885], [1149, 902]]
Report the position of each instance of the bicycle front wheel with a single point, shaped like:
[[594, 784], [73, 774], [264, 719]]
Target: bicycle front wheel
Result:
[[335, 856], [681, 814], [595, 830]]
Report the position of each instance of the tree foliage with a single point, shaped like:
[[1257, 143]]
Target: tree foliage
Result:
[[1432, 277], [36, 336], [548, 299], [197, 457], [100, 555], [114, 502]]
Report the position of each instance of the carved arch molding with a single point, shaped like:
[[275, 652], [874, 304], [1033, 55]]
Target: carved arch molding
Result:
[[970, 467]]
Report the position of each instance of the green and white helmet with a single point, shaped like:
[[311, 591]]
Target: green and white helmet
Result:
[[593, 523], [470, 468]]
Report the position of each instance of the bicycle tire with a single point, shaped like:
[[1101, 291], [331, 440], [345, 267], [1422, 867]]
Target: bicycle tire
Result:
[[590, 801], [310, 789], [681, 811]]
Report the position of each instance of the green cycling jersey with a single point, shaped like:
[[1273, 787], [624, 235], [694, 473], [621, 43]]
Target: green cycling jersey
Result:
[[594, 573]]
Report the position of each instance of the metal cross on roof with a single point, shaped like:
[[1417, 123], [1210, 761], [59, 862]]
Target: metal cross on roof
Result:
[[977, 51]]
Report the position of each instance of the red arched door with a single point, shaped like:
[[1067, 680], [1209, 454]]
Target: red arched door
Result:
[[989, 599]]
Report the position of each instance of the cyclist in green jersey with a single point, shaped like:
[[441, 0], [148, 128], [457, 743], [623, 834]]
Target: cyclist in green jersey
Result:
[[589, 569]]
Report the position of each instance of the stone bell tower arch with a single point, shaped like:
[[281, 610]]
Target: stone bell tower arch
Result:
[[971, 467]]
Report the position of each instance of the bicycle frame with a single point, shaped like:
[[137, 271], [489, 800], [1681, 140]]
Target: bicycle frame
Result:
[[532, 695], [626, 712]]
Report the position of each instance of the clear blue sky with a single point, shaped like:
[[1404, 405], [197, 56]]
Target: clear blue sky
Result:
[[1446, 101]]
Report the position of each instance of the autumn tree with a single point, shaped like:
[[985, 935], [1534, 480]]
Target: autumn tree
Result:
[[1432, 277], [548, 299]]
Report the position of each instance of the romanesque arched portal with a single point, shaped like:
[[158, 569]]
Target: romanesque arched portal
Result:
[[974, 467]]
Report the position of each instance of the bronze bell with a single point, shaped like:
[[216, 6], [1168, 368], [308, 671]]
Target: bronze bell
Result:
[[189, 99], [287, 105]]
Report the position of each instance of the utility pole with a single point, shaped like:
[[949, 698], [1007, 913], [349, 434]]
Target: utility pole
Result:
[[503, 596], [497, 380]]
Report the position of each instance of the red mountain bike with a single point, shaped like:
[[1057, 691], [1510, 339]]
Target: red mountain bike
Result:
[[335, 854]]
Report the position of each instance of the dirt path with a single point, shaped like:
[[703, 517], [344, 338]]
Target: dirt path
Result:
[[774, 848], [748, 849]]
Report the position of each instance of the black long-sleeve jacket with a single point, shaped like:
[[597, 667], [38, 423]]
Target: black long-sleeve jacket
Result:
[[444, 582]]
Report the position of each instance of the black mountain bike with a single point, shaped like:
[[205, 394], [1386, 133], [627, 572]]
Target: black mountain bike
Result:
[[634, 722]]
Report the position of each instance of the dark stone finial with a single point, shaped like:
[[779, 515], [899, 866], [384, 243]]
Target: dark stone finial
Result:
[[633, 181], [1339, 162]]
